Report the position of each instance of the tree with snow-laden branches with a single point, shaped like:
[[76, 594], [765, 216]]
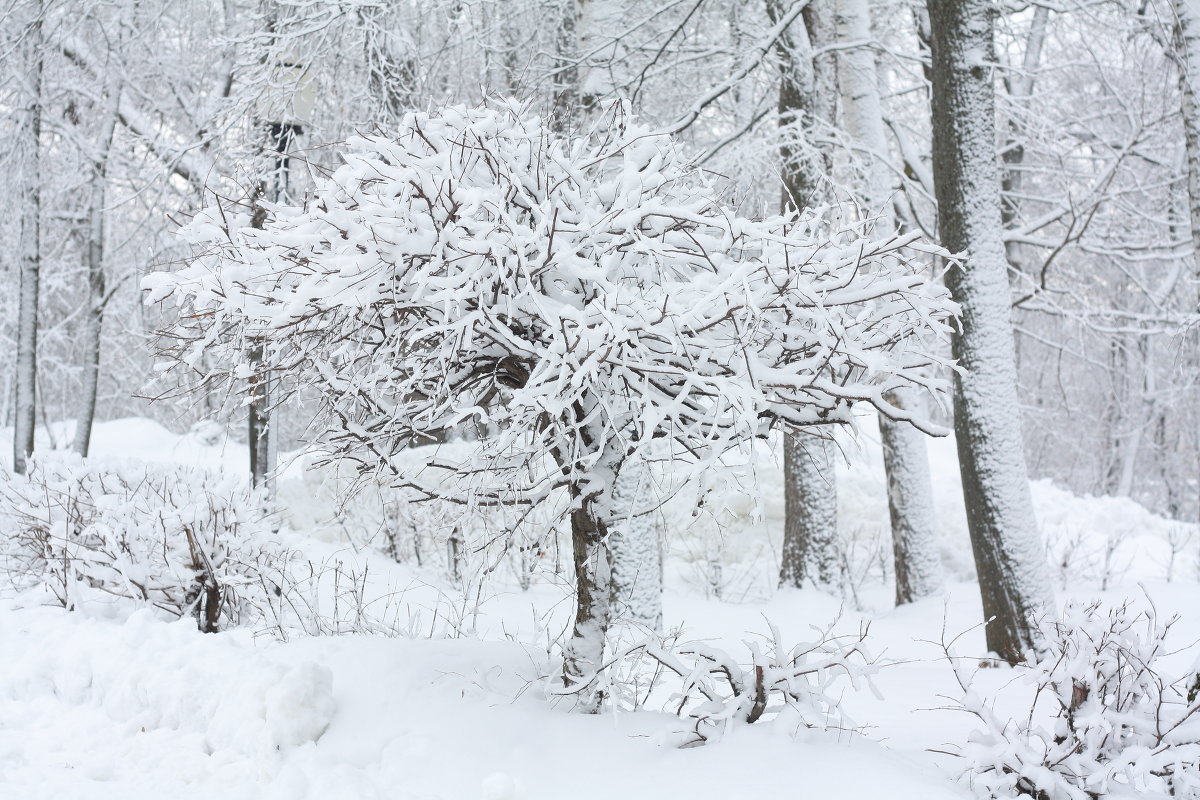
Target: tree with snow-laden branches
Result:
[[578, 303]]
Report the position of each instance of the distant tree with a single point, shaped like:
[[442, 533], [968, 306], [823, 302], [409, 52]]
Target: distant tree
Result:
[[918, 568], [807, 106], [29, 46], [582, 303], [1009, 557]]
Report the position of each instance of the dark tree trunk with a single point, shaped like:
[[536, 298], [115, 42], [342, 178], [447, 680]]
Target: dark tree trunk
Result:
[[1009, 557]]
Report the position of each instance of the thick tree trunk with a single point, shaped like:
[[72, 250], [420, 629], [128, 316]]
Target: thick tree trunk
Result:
[[807, 102], [1009, 557], [910, 490], [94, 319], [30, 248], [1187, 14], [811, 552]]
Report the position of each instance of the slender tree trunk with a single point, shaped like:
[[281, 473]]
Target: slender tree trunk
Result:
[[906, 463], [918, 566], [30, 247], [94, 320], [391, 61], [807, 102], [1009, 557]]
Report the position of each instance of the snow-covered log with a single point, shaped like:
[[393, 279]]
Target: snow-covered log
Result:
[[584, 304]]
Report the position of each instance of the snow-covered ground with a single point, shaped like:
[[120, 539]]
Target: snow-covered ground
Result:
[[96, 705]]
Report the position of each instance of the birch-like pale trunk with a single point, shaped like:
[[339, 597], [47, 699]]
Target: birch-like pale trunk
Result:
[[1010, 560], [910, 490], [807, 100], [30, 257], [97, 290]]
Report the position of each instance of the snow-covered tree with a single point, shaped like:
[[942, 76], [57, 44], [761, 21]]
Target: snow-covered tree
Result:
[[29, 100], [918, 569], [807, 106], [1009, 556], [583, 303]]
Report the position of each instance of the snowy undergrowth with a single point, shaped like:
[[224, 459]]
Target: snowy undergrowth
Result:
[[181, 540], [464, 715], [146, 674]]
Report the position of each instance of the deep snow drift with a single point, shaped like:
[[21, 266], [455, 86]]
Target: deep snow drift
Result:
[[95, 704]]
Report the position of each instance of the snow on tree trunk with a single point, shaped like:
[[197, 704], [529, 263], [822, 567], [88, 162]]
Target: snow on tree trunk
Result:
[[637, 586], [30, 246], [910, 490], [633, 542], [807, 100], [918, 566], [584, 652], [94, 319], [1009, 556], [1188, 13], [811, 552]]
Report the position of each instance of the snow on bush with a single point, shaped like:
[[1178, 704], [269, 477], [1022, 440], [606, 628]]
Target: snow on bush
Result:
[[174, 538], [1105, 718], [715, 691], [580, 305]]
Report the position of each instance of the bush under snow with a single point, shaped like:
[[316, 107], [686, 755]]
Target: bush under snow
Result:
[[173, 538], [1106, 718]]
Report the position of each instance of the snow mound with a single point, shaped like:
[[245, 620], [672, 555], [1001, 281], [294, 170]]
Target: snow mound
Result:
[[153, 675]]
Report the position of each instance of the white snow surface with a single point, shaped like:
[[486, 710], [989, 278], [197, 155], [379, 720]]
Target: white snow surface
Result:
[[141, 707]]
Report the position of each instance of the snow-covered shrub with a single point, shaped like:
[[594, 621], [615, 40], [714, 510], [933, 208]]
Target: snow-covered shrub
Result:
[[1105, 718], [580, 305], [715, 691], [174, 538]]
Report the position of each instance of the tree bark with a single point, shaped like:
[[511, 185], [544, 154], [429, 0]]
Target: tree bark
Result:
[[910, 491], [810, 555], [807, 101], [1188, 43], [633, 541], [1187, 13], [94, 319], [1009, 556], [584, 653], [30, 248]]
